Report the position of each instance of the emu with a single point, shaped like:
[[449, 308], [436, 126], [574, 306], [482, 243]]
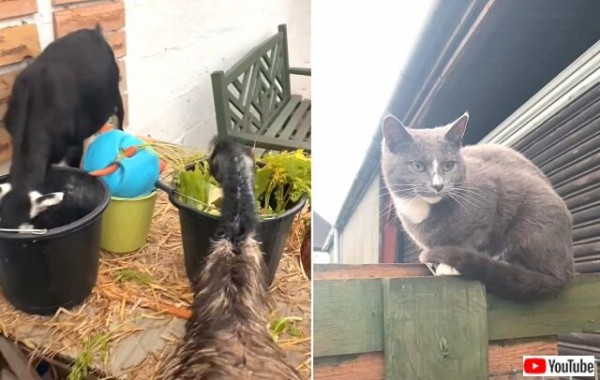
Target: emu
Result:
[[227, 336]]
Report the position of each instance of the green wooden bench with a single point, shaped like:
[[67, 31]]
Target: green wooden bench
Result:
[[253, 100]]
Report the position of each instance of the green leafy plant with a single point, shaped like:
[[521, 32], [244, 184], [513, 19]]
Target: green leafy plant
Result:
[[132, 275], [195, 187], [81, 366], [284, 177], [281, 180], [287, 325]]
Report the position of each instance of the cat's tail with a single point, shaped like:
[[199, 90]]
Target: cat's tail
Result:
[[232, 165], [501, 278]]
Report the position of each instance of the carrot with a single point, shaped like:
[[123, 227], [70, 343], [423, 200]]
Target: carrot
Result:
[[130, 151], [107, 127], [106, 171]]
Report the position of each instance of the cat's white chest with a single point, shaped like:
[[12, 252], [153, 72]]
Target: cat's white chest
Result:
[[415, 210]]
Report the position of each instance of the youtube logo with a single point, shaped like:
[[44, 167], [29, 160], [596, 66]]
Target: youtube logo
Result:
[[559, 365], [534, 366]]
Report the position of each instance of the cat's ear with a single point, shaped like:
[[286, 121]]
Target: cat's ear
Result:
[[457, 129], [394, 132]]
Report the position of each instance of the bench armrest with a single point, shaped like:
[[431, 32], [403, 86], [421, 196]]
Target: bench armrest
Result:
[[300, 71]]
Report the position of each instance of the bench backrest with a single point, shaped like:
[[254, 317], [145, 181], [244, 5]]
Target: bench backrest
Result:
[[250, 94]]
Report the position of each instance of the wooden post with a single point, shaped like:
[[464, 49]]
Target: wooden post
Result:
[[363, 311], [435, 328]]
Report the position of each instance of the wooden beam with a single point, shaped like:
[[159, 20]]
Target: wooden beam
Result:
[[435, 329], [15, 8], [18, 43], [504, 358], [116, 40], [358, 316], [366, 271], [347, 314], [63, 2], [111, 17], [368, 366], [6, 83], [5, 145], [577, 309]]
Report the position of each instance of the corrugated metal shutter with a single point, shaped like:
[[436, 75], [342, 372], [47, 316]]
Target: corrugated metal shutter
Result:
[[559, 130]]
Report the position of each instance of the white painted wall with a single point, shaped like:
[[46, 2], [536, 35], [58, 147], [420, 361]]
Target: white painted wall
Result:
[[174, 45], [359, 241], [321, 257]]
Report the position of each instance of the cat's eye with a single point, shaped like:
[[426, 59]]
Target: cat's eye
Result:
[[449, 165], [418, 166]]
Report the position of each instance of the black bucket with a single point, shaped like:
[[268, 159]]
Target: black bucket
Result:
[[40, 273], [199, 228]]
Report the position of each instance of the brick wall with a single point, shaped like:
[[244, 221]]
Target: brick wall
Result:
[[27, 26]]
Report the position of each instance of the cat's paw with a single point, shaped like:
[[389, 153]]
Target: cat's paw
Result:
[[432, 255], [445, 257], [446, 270]]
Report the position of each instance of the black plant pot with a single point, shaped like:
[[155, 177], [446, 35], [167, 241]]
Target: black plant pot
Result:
[[40, 273], [198, 229]]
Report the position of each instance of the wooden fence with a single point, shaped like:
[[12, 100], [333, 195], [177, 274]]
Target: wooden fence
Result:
[[395, 321]]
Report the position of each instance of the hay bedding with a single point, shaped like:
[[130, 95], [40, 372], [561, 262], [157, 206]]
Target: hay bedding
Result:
[[132, 321]]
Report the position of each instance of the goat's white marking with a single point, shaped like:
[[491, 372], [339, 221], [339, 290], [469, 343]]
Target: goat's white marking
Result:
[[37, 206], [4, 189], [446, 270], [63, 162], [34, 195], [26, 226], [416, 210], [437, 179]]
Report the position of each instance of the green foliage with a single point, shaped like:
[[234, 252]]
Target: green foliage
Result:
[[281, 180], [284, 177], [81, 366], [196, 186], [132, 275], [286, 325]]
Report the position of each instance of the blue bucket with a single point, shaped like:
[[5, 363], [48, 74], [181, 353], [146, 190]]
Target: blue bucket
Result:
[[136, 175]]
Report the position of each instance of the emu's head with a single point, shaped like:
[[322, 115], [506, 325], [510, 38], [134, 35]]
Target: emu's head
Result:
[[19, 207], [230, 157]]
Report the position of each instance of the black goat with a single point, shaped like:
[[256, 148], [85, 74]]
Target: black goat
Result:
[[63, 97]]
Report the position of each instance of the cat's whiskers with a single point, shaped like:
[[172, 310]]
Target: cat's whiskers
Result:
[[401, 191], [384, 192], [471, 190], [474, 199], [463, 199], [389, 207], [456, 199]]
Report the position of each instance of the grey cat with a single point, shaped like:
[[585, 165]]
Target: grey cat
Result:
[[484, 211]]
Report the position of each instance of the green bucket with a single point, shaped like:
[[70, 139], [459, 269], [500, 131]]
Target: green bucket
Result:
[[126, 223]]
